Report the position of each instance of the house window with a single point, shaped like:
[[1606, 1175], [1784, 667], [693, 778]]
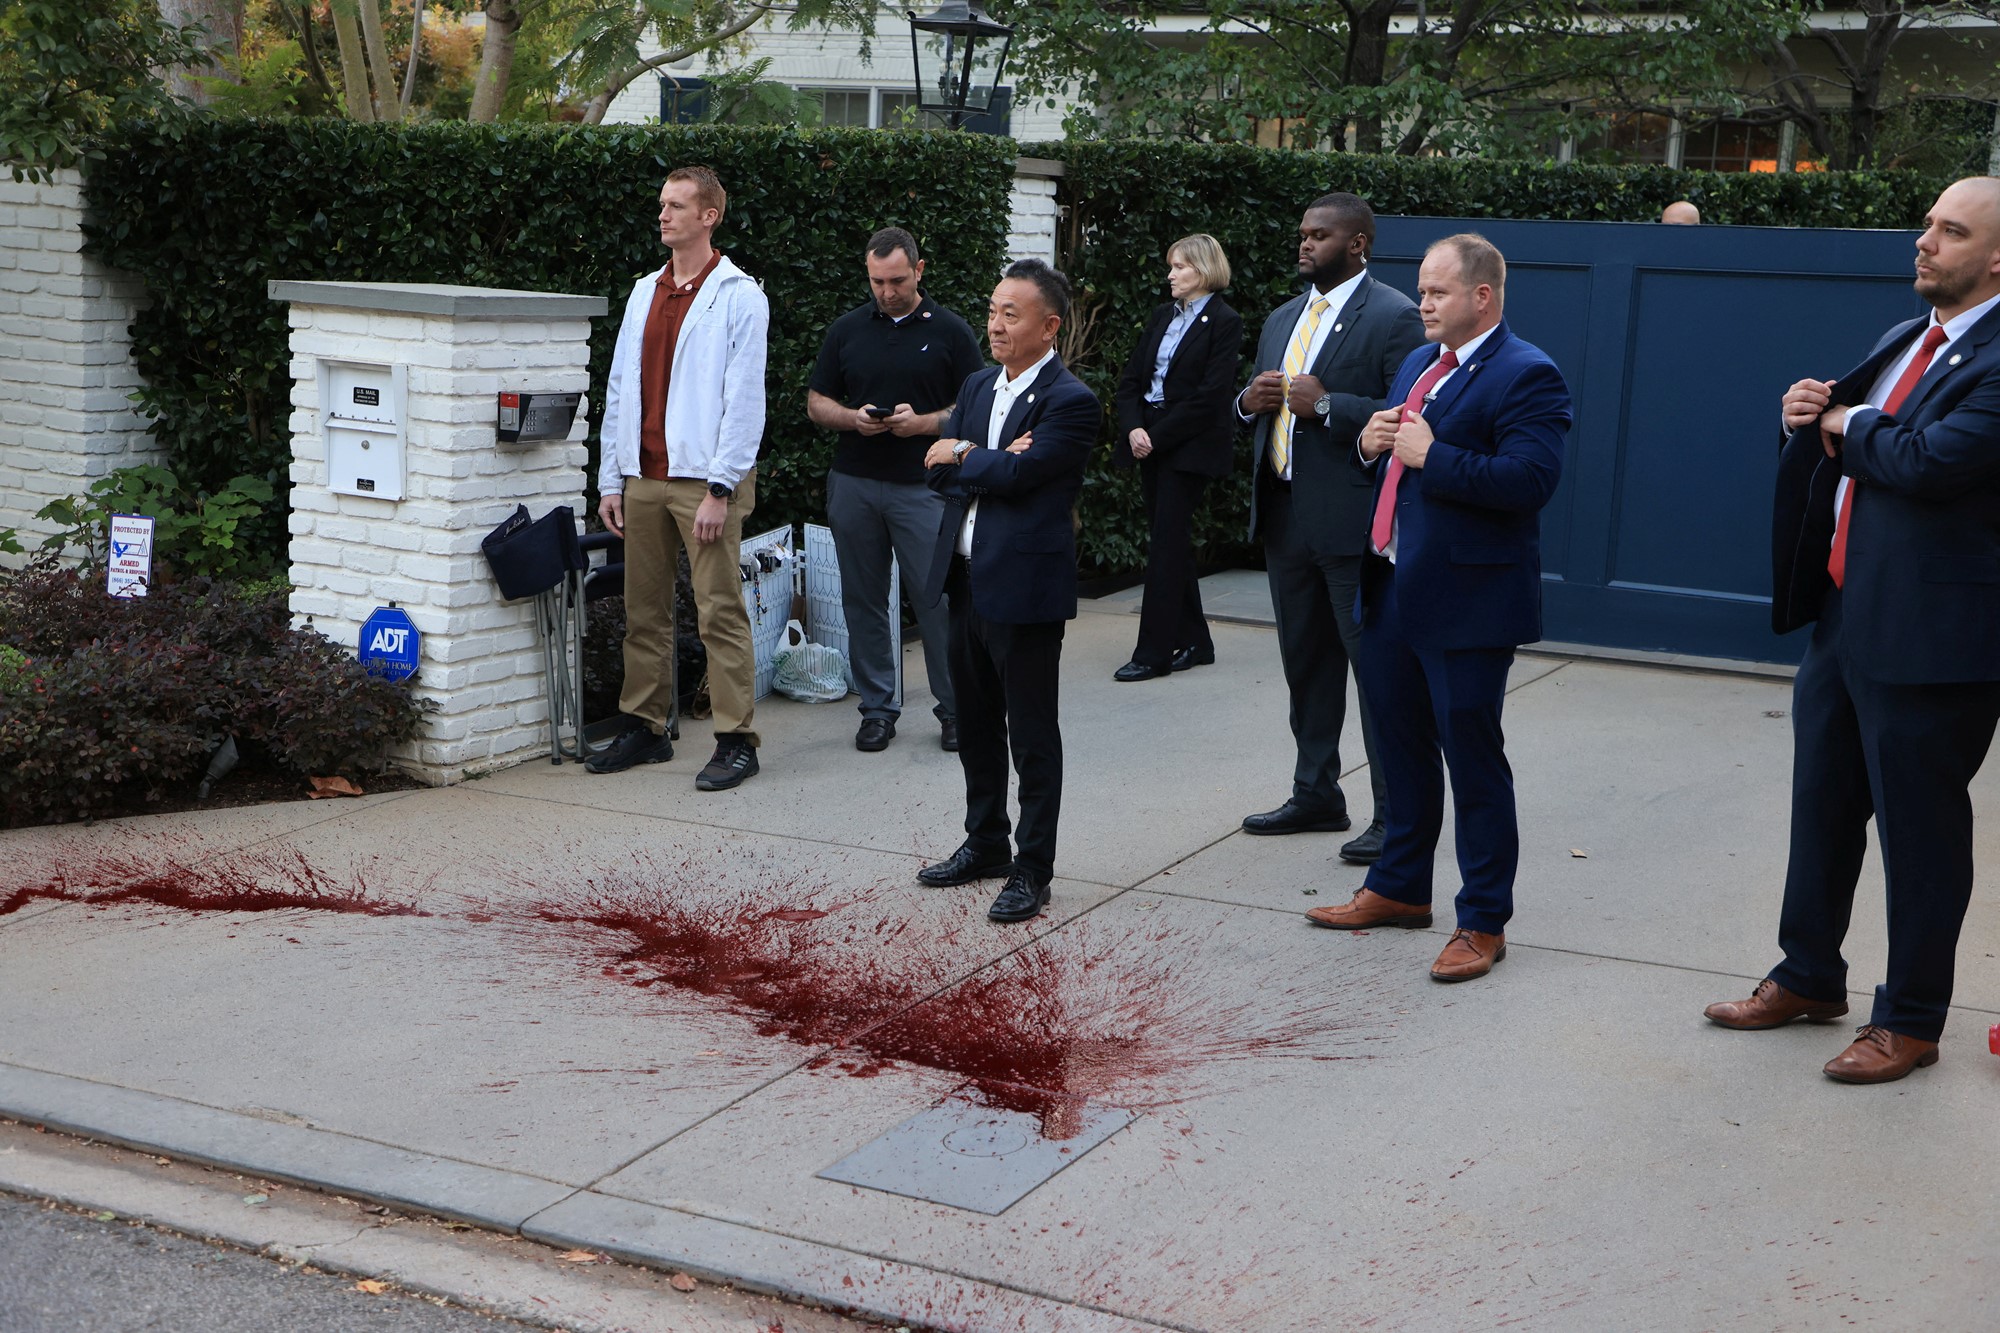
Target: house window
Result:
[[847, 107], [1628, 137], [1731, 145]]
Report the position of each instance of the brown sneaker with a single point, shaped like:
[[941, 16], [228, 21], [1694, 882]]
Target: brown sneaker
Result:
[[1368, 909], [1881, 1056], [1772, 1006], [1468, 954]]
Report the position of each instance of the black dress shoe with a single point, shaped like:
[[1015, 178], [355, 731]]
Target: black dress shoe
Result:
[[965, 865], [1193, 657], [1022, 900], [875, 734], [1291, 817], [948, 734], [1132, 671], [1365, 850]]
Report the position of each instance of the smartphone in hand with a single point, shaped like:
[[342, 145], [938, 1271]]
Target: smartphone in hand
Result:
[[880, 413]]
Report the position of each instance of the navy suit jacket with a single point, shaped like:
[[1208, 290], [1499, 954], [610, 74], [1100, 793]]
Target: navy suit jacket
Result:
[[1196, 429], [1024, 544], [1921, 601], [1468, 566]]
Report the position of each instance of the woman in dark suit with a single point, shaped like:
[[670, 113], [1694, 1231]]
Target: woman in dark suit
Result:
[[1177, 421]]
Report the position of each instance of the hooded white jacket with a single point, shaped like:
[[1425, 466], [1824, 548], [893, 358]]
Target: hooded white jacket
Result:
[[715, 400]]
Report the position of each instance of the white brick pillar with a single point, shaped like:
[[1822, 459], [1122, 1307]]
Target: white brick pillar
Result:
[[66, 373], [458, 348], [1031, 209]]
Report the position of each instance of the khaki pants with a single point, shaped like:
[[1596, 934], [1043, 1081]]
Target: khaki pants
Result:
[[659, 520]]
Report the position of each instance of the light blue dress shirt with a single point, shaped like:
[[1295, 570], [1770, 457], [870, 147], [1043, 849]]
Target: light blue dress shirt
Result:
[[1170, 342]]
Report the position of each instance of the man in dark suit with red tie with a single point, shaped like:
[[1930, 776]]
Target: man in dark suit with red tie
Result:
[[1450, 586], [1887, 541]]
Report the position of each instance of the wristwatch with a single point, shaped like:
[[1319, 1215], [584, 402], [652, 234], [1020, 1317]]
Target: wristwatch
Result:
[[960, 450], [1323, 406], [720, 492]]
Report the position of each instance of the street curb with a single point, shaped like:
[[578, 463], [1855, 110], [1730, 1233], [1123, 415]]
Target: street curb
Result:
[[539, 1210], [299, 1154]]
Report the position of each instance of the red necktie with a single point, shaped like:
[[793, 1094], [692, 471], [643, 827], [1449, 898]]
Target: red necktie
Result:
[[1384, 525], [1836, 560]]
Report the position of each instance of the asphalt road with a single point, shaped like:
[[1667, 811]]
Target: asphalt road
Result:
[[65, 1272]]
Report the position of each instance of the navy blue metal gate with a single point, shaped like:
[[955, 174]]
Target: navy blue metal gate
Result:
[[1677, 343]]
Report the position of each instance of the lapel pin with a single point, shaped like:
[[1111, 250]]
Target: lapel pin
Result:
[[1204, 319], [1954, 359], [1338, 327], [927, 314], [1031, 398]]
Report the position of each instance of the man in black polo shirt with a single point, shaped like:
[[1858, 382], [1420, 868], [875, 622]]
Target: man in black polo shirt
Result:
[[887, 377]]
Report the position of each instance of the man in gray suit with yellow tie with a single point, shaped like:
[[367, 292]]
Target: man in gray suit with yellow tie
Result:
[[1325, 361]]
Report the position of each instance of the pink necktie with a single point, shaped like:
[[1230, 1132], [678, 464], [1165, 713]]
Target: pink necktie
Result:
[[1384, 525], [1836, 560]]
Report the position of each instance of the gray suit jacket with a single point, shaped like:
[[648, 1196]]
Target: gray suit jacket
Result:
[[1331, 491]]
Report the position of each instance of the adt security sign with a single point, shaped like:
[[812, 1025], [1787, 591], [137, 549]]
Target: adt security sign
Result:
[[389, 644]]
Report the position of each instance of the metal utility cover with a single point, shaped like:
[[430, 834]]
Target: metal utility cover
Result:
[[975, 1157]]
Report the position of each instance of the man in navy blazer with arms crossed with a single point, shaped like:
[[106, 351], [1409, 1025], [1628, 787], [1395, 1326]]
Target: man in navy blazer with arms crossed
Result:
[[1010, 466], [1465, 457], [1887, 535]]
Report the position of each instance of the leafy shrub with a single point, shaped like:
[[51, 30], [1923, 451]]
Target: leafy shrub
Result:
[[209, 219], [109, 702], [193, 534], [1127, 200]]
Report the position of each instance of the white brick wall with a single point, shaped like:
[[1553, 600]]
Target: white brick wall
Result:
[[66, 368], [350, 553], [1031, 210]]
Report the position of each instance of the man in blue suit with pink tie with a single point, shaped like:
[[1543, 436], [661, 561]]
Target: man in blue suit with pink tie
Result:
[[1464, 460]]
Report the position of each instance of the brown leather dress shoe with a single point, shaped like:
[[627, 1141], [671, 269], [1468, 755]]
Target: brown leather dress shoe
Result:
[[1772, 1006], [1468, 954], [1368, 909], [1880, 1056]]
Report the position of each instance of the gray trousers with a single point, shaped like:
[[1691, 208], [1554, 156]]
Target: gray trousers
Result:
[[872, 521]]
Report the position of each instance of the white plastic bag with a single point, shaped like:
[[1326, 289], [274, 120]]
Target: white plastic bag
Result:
[[809, 672]]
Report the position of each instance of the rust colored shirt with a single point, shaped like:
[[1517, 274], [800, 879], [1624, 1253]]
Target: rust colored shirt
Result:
[[656, 362]]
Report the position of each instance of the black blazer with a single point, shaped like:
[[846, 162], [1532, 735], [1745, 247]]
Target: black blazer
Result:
[[1921, 601], [1197, 426], [1024, 544], [1332, 493]]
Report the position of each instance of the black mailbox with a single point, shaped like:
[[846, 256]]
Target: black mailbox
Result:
[[536, 416]]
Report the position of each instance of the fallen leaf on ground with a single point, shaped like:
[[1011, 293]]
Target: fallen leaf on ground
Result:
[[371, 1286], [1579, 853], [105, 1217], [254, 1199], [681, 1282], [580, 1256], [333, 787]]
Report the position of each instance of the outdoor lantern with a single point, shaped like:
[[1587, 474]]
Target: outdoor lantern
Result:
[[958, 53]]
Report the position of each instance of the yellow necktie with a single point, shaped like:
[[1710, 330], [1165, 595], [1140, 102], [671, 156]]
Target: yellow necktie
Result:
[[1295, 364]]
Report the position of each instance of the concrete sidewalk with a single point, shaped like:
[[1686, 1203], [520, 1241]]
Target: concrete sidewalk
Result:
[[658, 1057]]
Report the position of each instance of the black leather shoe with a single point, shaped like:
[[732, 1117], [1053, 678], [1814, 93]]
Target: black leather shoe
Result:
[[1132, 671], [948, 734], [1291, 817], [875, 734], [634, 746], [1365, 850], [1193, 657], [965, 865], [1022, 900]]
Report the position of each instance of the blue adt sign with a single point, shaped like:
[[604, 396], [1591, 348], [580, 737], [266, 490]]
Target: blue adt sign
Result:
[[389, 644]]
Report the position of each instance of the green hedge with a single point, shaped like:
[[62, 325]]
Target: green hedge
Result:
[[208, 218], [1126, 201]]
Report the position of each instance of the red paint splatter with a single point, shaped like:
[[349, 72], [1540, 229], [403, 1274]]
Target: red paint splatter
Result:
[[190, 877], [1086, 1013]]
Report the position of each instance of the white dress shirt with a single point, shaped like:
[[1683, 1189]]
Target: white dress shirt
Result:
[[1329, 323], [1464, 352], [1954, 328], [1005, 391]]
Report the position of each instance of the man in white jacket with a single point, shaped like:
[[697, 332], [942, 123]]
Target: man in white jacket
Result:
[[683, 416]]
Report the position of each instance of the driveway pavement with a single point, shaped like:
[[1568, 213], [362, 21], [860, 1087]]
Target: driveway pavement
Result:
[[619, 1013]]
